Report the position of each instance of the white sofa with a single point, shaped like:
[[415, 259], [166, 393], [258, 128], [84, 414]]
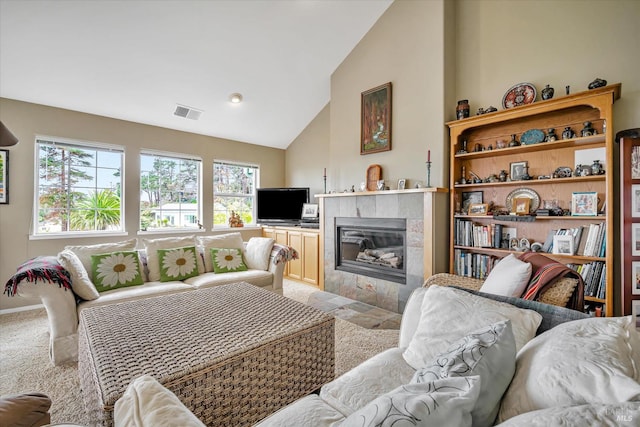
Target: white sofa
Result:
[[481, 360], [265, 261]]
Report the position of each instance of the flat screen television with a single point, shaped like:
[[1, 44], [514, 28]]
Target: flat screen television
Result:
[[281, 205]]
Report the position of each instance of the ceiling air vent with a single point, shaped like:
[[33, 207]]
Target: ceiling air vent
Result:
[[187, 112]]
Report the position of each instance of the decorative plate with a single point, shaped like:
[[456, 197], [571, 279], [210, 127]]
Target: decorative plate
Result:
[[520, 94], [532, 136], [524, 192]]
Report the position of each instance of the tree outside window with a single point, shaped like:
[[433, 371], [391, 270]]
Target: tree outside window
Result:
[[79, 187], [169, 192], [234, 190]]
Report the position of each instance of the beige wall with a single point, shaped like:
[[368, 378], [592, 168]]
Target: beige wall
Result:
[[28, 120], [307, 156], [406, 48]]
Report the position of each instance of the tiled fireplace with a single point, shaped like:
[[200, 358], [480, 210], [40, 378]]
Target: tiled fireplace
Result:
[[379, 246]]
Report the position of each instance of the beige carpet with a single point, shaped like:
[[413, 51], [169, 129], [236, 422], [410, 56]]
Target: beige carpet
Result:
[[25, 366]]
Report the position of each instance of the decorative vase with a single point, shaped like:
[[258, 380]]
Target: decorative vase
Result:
[[547, 92], [462, 110], [513, 142], [568, 133], [551, 135], [596, 168], [503, 176], [587, 130]]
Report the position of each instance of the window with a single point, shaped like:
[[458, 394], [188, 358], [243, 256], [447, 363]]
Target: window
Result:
[[169, 191], [234, 189], [79, 187]]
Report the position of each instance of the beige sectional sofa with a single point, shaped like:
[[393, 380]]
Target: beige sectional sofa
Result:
[[264, 261], [464, 358]]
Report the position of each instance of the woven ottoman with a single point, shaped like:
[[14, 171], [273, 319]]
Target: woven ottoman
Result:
[[232, 354]]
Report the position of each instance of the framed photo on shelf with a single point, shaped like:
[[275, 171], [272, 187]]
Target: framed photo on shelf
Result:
[[310, 210], [4, 177], [563, 244], [521, 205], [470, 198], [635, 277], [375, 130], [478, 209], [635, 239], [517, 170], [635, 200], [584, 203], [401, 184]]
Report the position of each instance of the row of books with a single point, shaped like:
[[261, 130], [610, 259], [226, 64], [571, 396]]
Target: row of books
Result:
[[479, 235], [594, 275], [593, 245], [473, 265], [468, 233]]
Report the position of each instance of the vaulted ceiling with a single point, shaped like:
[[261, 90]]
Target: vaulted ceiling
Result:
[[137, 60]]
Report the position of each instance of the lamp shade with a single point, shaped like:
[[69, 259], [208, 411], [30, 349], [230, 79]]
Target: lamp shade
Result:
[[6, 137]]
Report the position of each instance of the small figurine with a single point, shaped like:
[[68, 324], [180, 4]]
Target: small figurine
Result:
[[513, 142], [567, 89], [490, 109], [596, 168], [503, 176], [568, 133], [235, 220], [480, 111]]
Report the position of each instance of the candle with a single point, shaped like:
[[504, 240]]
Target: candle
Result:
[[325, 172], [429, 156]]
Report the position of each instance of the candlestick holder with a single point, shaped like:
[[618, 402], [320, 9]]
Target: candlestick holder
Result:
[[325, 183], [428, 173]]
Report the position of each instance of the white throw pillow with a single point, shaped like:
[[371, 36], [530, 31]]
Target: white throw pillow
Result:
[[490, 353], [84, 252], [80, 281], [593, 360], [508, 278], [147, 403], [152, 246], [220, 241], [257, 252], [448, 314], [594, 414], [442, 402]]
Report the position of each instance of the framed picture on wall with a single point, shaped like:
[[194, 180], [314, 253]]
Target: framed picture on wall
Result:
[[635, 239], [635, 309], [375, 131], [635, 277], [4, 176], [635, 200]]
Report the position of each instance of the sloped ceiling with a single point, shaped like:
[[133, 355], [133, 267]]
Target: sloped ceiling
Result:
[[136, 60]]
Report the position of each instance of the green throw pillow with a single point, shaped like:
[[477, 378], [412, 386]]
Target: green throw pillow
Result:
[[227, 260], [177, 263], [115, 270]]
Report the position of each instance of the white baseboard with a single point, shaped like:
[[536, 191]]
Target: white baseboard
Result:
[[19, 309]]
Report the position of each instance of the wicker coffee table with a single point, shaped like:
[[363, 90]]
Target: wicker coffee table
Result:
[[233, 354]]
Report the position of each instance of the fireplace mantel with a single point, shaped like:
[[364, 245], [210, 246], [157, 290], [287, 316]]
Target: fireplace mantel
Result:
[[427, 218]]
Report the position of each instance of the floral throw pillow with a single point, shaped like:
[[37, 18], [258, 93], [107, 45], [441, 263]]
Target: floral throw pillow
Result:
[[177, 263], [115, 270], [227, 260]]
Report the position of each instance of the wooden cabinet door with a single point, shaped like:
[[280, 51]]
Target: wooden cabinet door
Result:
[[310, 260], [295, 265]]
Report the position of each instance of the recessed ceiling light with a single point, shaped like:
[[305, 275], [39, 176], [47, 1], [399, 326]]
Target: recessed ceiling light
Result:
[[235, 98]]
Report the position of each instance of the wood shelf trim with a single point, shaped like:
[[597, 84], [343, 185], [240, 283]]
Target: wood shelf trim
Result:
[[542, 146], [535, 182], [538, 218], [505, 252]]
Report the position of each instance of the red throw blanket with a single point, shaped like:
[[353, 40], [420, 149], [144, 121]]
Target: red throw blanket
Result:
[[544, 272], [45, 268]]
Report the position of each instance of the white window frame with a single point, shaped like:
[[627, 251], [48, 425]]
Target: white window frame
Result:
[[179, 213], [54, 141], [256, 183]]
